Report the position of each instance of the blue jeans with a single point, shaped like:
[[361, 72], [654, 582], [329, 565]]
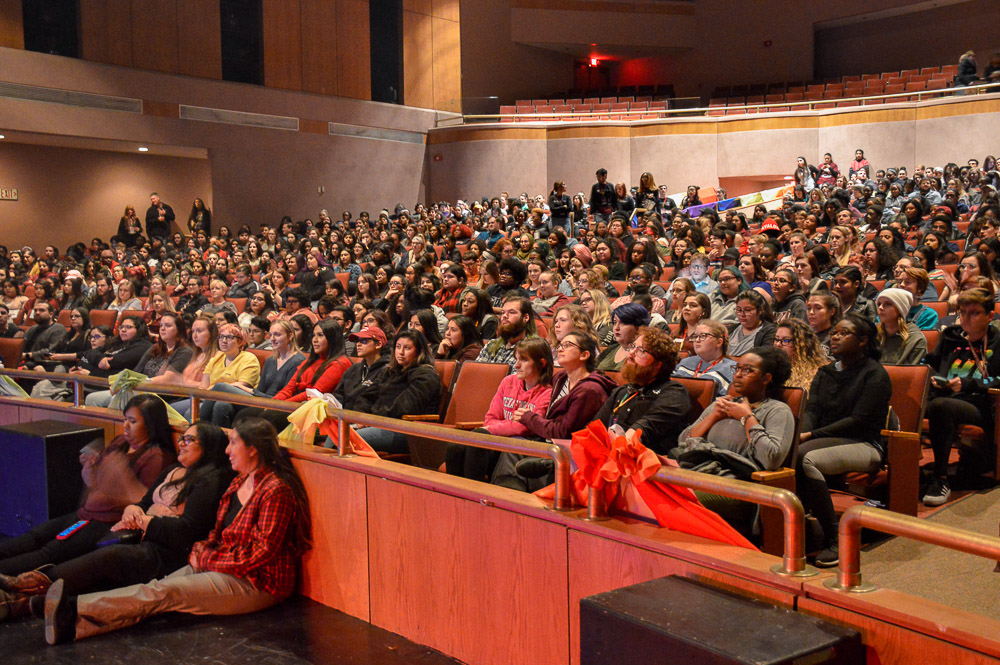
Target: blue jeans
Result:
[[221, 413], [384, 441]]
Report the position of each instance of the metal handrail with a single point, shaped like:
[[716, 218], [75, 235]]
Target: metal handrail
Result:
[[805, 105], [793, 560], [562, 501], [848, 577]]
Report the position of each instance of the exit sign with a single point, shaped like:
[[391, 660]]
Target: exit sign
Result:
[[8, 194]]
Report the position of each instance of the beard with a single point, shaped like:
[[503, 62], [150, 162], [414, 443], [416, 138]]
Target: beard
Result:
[[511, 330], [638, 374]]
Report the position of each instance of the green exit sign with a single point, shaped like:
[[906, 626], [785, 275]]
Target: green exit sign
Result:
[[8, 193]]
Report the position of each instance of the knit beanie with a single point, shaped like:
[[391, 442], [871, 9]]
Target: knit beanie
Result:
[[900, 299]]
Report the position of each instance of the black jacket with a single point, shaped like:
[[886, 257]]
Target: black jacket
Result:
[[416, 390], [953, 357], [172, 537], [354, 378], [850, 404], [661, 410], [126, 356]]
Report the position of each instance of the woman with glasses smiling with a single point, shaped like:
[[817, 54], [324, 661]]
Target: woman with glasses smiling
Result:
[[755, 324], [731, 285], [122, 352], [709, 361]]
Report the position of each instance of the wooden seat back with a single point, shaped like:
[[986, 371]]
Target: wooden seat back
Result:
[[10, 351]]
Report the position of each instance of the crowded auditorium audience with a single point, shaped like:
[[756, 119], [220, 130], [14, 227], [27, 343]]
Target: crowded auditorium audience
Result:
[[603, 307]]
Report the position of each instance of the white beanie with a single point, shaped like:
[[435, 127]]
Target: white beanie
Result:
[[900, 299]]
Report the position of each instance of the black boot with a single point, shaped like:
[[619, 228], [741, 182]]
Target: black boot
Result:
[[60, 615]]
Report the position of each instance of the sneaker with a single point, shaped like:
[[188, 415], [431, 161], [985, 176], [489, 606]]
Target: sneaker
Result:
[[937, 492], [829, 557]]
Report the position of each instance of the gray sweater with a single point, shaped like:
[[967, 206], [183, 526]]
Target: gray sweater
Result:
[[766, 444]]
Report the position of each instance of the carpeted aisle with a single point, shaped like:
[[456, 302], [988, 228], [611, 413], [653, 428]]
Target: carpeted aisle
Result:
[[959, 580]]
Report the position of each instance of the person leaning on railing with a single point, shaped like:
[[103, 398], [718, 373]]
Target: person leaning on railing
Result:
[[121, 352], [248, 562]]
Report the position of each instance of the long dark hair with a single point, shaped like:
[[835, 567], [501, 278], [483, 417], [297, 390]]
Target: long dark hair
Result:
[[261, 435], [160, 347], [334, 348], [470, 333], [154, 415], [213, 465], [424, 357], [429, 323]]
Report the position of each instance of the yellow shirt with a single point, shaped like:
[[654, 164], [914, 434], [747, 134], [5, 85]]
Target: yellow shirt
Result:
[[244, 367]]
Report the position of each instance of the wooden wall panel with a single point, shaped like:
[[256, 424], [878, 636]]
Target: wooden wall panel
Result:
[[354, 64], [892, 645], [446, 9], [199, 41], [319, 46], [425, 7], [282, 44], [451, 583], [106, 31], [447, 65], [11, 24], [418, 60], [598, 565], [335, 571], [154, 35]]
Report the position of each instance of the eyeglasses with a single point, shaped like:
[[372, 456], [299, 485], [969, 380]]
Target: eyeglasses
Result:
[[96, 336], [840, 332], [636, 278], [636, 350], [563, 346], [123, 328], [746, 369], [783, 341], [186, 440], [227, 338], [697, 337]]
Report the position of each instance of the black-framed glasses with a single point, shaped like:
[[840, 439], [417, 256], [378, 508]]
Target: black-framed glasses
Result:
[[746, 369], [186, 440], [563, 346], [697, 337]]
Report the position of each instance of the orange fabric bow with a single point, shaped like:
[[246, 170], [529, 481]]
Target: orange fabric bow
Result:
[[605, 461]]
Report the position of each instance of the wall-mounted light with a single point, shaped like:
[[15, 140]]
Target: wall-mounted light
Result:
[[2, 137], [594, 62], [143, 149]]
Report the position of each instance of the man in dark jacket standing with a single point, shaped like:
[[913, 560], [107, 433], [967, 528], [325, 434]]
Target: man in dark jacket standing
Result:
[[159, 217], [603, 200]]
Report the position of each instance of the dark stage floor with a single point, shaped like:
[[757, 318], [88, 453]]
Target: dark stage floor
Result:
[[298, 631]]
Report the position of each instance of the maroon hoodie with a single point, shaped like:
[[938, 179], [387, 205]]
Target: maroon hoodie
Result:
[[574, 411]]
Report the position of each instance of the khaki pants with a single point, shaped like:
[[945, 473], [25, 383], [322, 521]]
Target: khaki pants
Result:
[[182, 591]]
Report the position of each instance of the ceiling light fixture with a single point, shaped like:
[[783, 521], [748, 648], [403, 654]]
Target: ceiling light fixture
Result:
[[143, 149]]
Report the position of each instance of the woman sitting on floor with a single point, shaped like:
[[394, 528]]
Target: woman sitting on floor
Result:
[[115, 477], [247, 564], [156, 534]]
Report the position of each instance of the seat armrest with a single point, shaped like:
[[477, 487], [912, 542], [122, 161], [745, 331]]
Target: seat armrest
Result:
[[469, 425], [771, 476], [421, 417]]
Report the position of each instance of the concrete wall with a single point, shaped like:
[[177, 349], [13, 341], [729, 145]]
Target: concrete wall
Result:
[[743, 155], [63, 190], [257, 175]]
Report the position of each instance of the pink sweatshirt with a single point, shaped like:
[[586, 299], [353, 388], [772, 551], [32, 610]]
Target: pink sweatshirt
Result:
[[511, 396]]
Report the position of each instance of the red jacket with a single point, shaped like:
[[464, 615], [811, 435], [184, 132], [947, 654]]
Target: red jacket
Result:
[[295, 391], [511, 396]]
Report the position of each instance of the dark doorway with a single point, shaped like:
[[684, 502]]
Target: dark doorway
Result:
[[385, 21]]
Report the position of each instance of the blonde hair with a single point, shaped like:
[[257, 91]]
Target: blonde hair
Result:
[[581, 323], [287, 327], [602, 308]]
